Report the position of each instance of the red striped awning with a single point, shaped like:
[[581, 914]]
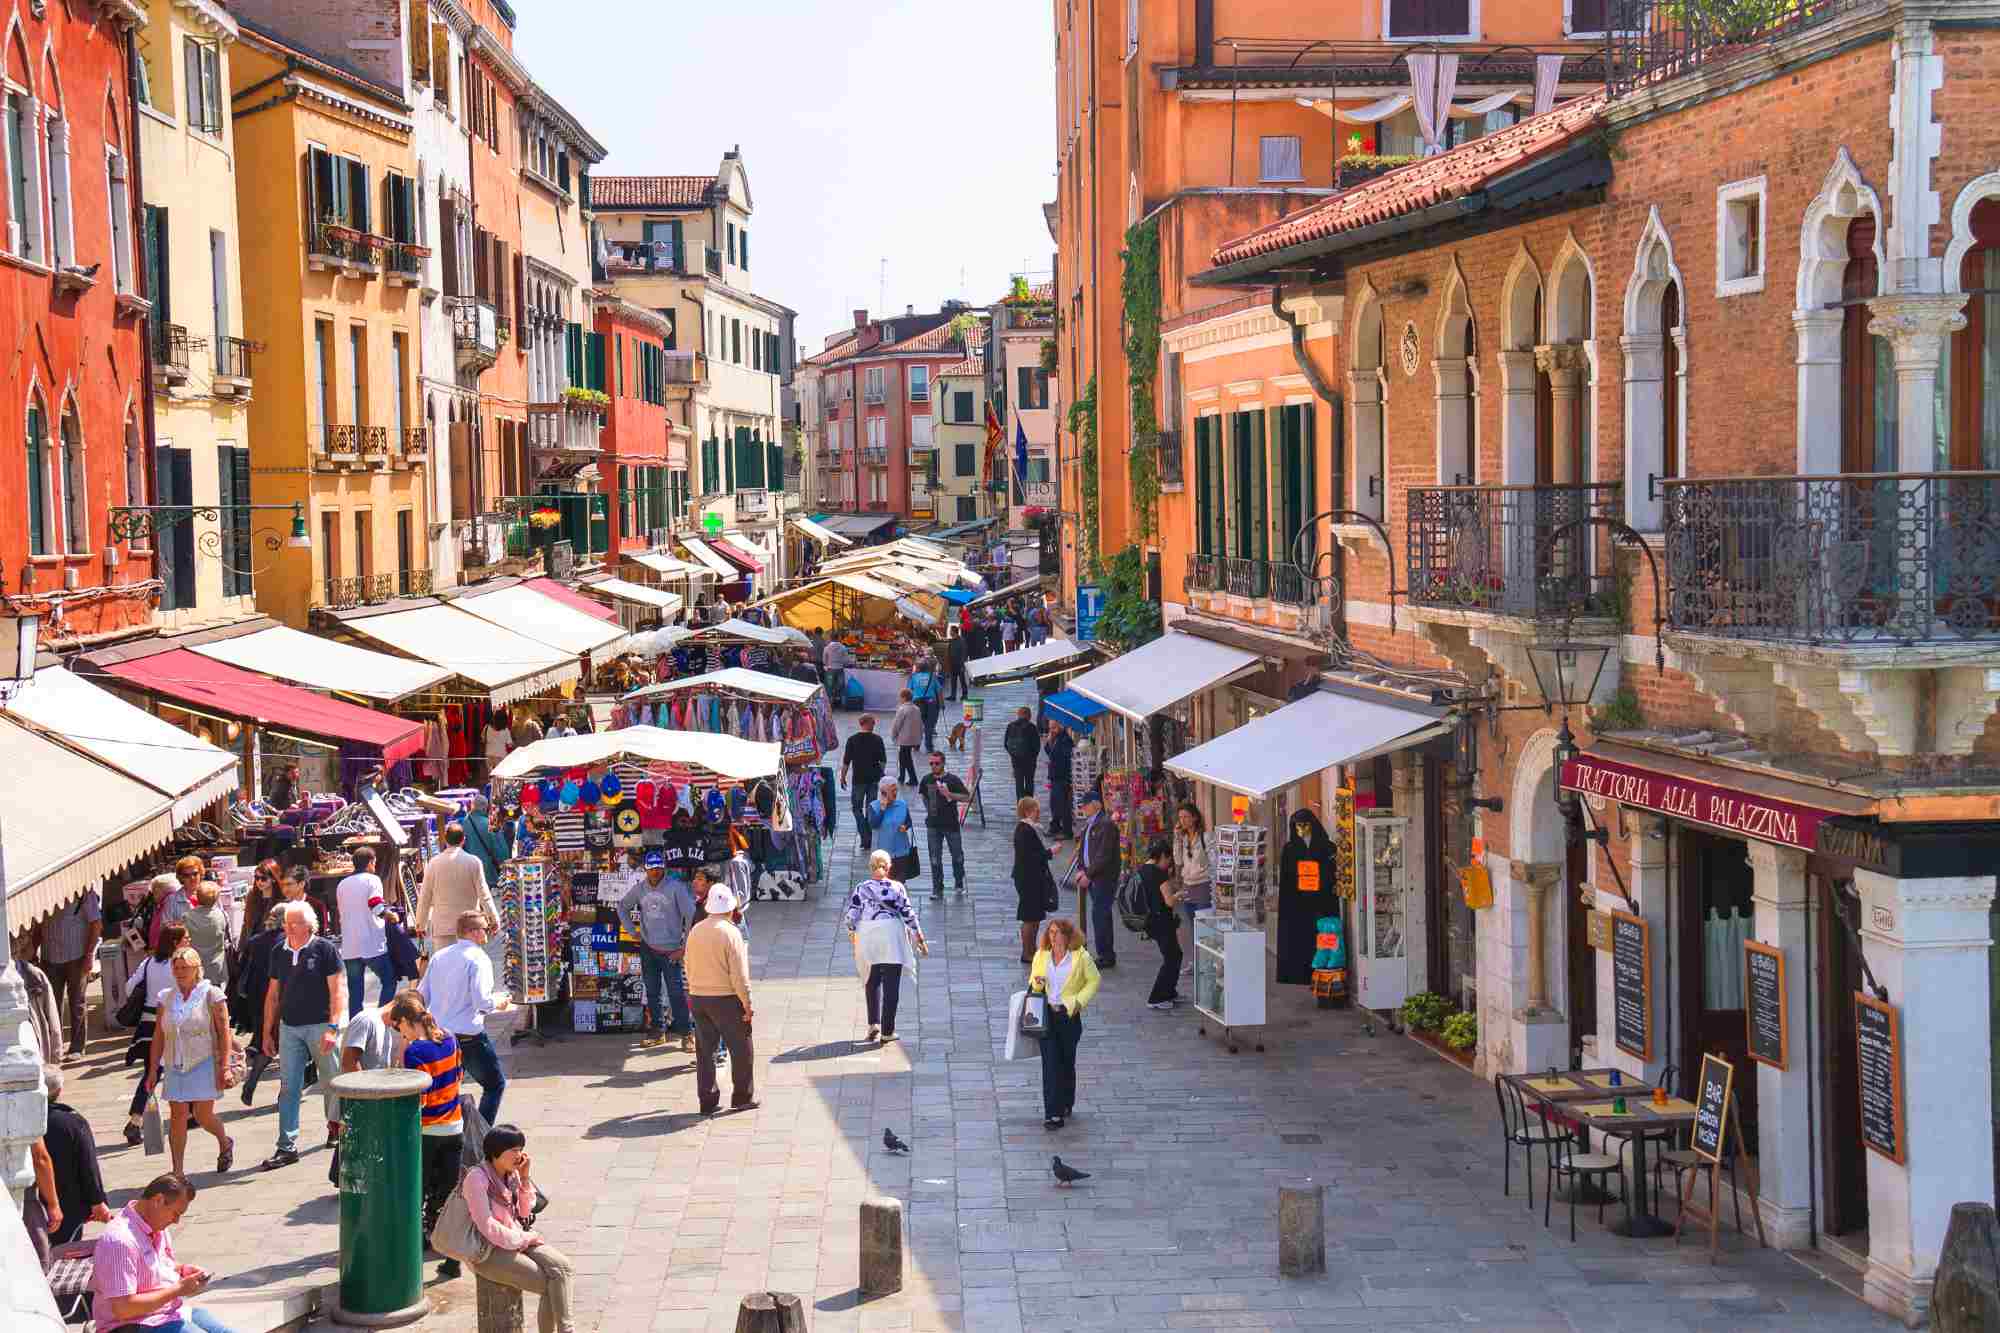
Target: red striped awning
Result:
[[573, 599], [737, 555], [194, 681]]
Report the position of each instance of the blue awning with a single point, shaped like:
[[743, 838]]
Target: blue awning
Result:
[[958, 596], [1072, 710]]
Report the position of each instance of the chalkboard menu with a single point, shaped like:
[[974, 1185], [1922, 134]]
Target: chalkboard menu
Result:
[[1764, 1002], [1632, 985], [1879, 1040], [1711, 1106]]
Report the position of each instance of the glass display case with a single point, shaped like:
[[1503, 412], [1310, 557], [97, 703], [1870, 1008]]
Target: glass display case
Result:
[[1381, 892], [1228, 971]]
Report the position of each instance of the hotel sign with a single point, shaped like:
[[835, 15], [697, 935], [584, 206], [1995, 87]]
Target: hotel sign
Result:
[[1765, 818]]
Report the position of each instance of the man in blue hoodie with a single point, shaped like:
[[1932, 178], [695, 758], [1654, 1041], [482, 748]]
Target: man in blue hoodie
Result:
[[659, 911]]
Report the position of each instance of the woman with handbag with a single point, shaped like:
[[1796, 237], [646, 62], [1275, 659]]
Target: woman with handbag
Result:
[[500, 1204], [140, 1011], [208, 934], [888, 817], [882, 923], [193, 1046], [1034, 885], [429, 1049], [1065, 980], [1193, 872]]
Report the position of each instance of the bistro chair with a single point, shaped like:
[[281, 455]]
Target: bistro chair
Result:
[[1520, 1129], [1567, 1163]]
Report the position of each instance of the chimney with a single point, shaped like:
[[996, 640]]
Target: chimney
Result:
[[861, 319], [909, 310]]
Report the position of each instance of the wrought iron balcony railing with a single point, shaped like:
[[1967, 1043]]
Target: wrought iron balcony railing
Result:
[[875, 455], [414, 583], [474, 330], [170, 352], [1169, 447], [404, 261], [1648, 41], [232, 358], [1204, 573], [1878, 558], [342, 439], [373, 440], [1247, 578], [416, 441], [336, 244], [378, 588], [341, 594], [1538, 552], [1290, 586]]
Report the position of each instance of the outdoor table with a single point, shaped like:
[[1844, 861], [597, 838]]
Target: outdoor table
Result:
[[1583, 1097]]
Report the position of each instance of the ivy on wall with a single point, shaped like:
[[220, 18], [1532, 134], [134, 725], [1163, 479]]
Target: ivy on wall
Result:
[[1083, 425], [1140, 290], [1130, 617]]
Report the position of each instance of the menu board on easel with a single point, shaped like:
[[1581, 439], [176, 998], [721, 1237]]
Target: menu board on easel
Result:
[[1711, 1107], [1878, 1037], [1632, 985], [1764, 1014]]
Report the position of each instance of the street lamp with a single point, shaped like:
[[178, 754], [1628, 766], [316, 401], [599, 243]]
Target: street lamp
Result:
[[1558, 667], [133, 523]]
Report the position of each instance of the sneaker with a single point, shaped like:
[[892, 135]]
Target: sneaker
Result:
[[937, 894], [652, 1039], [687, 1044], [282, 1157], [449, 1270], [1162, 1005], [1053, 1122], [873, 1033]]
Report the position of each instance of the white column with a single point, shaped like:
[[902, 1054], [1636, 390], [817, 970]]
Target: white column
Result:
[[1517, 417], [1916, 327], [1543, 1032], [1645, 425], [1454, 408], [1784, 913], [1926, 942], [24, 1107], [1819, 391]]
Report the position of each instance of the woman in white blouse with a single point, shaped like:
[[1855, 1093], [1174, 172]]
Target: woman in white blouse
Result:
[[882, 922], [192, 1044]]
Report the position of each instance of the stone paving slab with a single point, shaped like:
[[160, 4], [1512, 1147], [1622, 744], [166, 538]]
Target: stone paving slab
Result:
[[671, 1218]]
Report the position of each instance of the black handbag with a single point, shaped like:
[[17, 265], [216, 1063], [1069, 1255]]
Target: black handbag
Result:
[[134, 1007], [908, 866]]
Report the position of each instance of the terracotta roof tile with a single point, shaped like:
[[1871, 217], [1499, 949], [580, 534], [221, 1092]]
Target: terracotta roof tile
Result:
[[939, 339], [974, 365], [1431, 180], [652, 191], [827, 356]]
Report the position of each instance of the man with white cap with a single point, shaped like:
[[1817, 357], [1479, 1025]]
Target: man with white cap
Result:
[[718, 982]]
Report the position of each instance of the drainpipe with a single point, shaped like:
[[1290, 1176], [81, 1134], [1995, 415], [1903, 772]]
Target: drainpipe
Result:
[[1338, 470]]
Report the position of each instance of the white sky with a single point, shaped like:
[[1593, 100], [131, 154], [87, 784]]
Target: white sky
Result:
[[920, 131]]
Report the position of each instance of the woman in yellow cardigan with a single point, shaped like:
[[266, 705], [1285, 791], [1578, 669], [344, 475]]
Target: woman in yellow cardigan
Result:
[[1064, 972]]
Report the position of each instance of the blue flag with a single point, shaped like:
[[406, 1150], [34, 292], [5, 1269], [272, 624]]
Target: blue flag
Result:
[[1020, 454]]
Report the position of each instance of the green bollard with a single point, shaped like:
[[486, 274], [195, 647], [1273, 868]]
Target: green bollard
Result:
[[381, 1198]]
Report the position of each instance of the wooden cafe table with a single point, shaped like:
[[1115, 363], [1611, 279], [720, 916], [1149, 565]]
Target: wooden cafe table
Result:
[[1584, 1097]]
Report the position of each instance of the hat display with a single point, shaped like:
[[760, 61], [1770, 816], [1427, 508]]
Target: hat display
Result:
[[655, 861]]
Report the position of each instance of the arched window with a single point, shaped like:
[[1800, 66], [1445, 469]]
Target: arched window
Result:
[[1670, 379], [1867, 367], [1975, 402], [75, 485], [41, 514]]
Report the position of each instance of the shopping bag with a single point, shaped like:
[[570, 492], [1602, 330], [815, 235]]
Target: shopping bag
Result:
[[1035, 1016], [149, 1126], [454, 1235], [1016, 1048]]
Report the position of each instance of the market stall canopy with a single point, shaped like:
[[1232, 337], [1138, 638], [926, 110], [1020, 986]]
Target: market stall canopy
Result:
[[187, 769], [669, 566], [189, 680], [653, 643], [572, 599], [959, 530], [820, 533], [506, 665], [618, 590], [1072, 710], [545, 620], [821, 604], [325, 664], [710, 561], [1160, 674], [738, 553], [858, 526], [1015, 589], [958, 596], [1285, 747], [70, 822], [1049, 655], [725, 756], [741, 680]]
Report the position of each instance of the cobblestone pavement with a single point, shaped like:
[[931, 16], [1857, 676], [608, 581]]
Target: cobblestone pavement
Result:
[[671, 1219]]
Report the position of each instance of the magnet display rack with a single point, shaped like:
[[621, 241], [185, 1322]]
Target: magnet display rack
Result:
[[1242, 858]]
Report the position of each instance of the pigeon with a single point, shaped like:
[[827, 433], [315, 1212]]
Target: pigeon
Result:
[[892, 1143], [1065, 1173]]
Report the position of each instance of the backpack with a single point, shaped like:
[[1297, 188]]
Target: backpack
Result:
[[1134, 902]]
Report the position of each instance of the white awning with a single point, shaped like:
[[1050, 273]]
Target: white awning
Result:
[[726, 756], [181, 766], [71, 821], [868, 587], [324, 664], [636, 593], [662, 563], [743, 629], [507, 665], [1015, 589], [1162, 673], [545, 620], [1022, 662], [1321, 730], [739, 679], [710, 561], [820, 534]]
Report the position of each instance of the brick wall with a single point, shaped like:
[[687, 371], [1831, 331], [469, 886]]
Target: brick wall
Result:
[[364, 35]]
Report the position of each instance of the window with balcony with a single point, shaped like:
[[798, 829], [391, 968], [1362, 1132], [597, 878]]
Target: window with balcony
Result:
[[357, 369], [1298, 484], [920, 384], [119, 190], [1248, 488], [323, 377], [62, 223], [873, 384], [1868, 367], [24, 179], [41, 491], [1975, 415]]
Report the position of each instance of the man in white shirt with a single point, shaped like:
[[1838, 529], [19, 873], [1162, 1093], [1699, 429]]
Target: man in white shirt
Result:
[[458, 987], [836, 659], [364, 941], [454, 884]]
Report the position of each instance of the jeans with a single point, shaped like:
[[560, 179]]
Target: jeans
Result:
[[1024, 778], [858, 797], [663, 974], [357, 968], [1062, 809], [906, 765], [298, 1047], [1059, 1062], [1103, 944], [479, 1061], [836, 688], [190, 1320], [70, 983], [960, 681], [1166, 982], [883, 991], [929, 708], [545, 1271], [718, 1018], [940, 839], [441, 1154]]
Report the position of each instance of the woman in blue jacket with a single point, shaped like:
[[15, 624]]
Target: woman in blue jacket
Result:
[[889, 818]]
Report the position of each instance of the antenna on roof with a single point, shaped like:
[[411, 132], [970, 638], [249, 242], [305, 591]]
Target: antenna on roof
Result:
[[882, 288]]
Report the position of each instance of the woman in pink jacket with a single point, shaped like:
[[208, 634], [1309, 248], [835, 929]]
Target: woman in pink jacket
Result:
[[501, 1198]]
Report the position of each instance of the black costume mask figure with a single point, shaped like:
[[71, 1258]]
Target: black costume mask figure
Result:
[[1300, 908]]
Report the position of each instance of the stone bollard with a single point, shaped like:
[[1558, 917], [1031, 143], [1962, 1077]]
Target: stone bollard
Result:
[[881, 1246], [1966, 1297], [771, 1312], [499, 1307], [1302, 1229]]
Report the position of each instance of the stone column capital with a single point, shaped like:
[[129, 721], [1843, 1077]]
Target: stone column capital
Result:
[[1916, 327], [1535, 874], [1553, 359]]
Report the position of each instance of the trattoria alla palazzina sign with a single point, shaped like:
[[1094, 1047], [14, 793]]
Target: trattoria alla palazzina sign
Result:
[[1763, 817]]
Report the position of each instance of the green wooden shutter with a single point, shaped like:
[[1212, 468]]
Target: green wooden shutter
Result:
[[1309, 469], [1260, 491], [573, 352], [774, 466], [1204, 508], [38, 481], [598, 379]]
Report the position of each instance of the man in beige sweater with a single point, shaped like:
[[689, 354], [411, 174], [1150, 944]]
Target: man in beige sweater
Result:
[[454, 882], [718, 982]]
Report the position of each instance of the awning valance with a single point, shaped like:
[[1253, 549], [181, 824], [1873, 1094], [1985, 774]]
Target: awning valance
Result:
[[1750, 805], [638, 594], [1160, 674], [325, 664], [739, 555], [740, 680], [1050, 655], [190, 680], [724, 755], [506, 665], [545, 620], [71, 821], [186, 769], [709, 560], [662, 563], [1287, 746]]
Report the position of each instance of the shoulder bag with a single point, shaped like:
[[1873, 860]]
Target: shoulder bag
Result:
[[133, 1008], [454, 1234]]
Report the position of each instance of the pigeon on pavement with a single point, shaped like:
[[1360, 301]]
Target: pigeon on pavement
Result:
[[1065, 1173], [892, 1143]]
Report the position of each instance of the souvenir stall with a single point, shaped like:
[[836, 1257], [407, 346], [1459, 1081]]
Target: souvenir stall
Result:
[[889, 629], [591, 799]]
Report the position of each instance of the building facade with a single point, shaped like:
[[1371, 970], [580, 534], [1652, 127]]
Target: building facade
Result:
[[877, 389], [640, 440], [1021, 380]]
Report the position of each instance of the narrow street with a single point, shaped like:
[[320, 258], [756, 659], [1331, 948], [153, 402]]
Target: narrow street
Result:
[[1187, 1146]]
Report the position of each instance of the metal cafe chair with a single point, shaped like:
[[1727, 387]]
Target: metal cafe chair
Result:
[[1519, 1129], [1566, 1162]]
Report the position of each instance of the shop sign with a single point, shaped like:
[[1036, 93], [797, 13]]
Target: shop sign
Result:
[[1854, 842], [1343, 839], [1751, 816], [1089, 609], [711, 523]]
